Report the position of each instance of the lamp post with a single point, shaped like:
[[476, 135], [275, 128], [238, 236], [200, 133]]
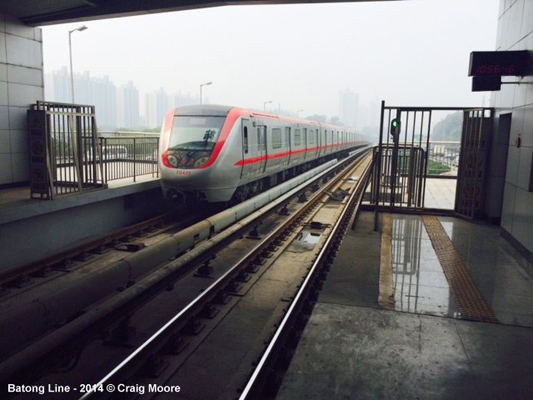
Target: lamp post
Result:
[[298, 113], [203, 84], [80, 28], [265, 104]]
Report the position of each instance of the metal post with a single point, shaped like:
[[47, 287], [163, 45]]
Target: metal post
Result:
[[378, 165], [204, 84], [134, 158], [71, 69], [81, 29], [394, 166]]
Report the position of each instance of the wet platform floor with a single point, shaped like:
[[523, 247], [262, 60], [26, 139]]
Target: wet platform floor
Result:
[[353, 349]]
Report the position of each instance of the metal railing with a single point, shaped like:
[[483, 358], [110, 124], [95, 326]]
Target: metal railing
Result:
[[59, 137], [68, 155], [129, 157], [398, 176]]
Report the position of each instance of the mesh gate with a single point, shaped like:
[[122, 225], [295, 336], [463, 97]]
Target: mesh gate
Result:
[[64, 150], [406, 157]]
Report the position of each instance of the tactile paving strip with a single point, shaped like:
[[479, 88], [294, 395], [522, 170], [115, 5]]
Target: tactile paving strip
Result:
[[472, 305]]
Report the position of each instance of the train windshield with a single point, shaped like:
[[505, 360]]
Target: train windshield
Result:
[[193, 139]]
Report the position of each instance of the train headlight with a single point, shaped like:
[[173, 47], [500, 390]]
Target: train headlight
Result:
[[173, 160], [201, 161]]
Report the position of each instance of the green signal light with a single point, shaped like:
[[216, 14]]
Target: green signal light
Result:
[[395, 127]]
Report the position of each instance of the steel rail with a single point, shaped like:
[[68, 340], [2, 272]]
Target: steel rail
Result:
[[267, 359], [208, 294], [68, 338]]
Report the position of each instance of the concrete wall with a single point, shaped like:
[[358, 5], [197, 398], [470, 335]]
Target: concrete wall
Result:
[[21, 84], [515, 32], [37, 230]]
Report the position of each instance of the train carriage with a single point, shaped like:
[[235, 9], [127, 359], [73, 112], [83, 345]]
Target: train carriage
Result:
[[220, 153]]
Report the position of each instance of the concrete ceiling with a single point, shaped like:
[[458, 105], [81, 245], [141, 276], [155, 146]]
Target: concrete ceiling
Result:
[[48, 12]]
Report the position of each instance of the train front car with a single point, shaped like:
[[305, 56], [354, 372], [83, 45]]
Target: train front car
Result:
[[195, 162]]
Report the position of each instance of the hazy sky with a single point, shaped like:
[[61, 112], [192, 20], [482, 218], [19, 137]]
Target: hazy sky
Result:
[[404, 52]]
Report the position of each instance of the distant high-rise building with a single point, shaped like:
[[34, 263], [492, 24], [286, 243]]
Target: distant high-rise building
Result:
[[348, 107], [115, 107], [57, 86], [128, 106], [100, 92], [157, 106]]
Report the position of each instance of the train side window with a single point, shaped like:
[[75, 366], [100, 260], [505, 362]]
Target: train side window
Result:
[[276, 138], [311, 136], [245, 140], [297, 137]]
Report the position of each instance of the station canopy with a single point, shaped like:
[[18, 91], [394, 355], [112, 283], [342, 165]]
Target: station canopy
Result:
[[49, 12]]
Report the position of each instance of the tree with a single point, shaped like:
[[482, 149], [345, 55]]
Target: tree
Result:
[[450, 128], [336, 121], [317, 118]]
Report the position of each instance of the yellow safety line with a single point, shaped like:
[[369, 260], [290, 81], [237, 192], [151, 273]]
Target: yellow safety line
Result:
[[386, 290], [472, 305]]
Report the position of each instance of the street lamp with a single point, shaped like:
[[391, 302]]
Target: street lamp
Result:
[[80, 28], [298, 113], [265, 104], [204, 84]]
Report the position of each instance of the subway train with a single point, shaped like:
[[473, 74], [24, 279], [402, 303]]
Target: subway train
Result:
[[228, 154]]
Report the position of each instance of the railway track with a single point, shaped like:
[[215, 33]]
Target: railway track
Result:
[[129, 320], [15, 280]]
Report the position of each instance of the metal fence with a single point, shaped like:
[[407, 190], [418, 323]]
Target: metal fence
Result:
[[59, 135], [398, 176], [406, 157], [68, 156], [129, 157]]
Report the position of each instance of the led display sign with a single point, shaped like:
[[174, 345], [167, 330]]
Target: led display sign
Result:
[[500, 63]]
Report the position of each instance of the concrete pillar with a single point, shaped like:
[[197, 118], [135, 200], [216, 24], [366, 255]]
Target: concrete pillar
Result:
[[21, 84]]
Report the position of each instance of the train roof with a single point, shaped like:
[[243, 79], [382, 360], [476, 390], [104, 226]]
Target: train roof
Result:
[[223, 111], [214, 110]]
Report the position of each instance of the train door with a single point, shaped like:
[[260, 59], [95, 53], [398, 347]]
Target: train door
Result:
[[313, 143], [247, 148], [305, 146], [318, 143], [288, 142], [262, 148], [250, 150]]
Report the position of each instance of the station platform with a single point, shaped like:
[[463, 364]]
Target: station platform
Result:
[[33, 229], [426, 308], [16, 203]]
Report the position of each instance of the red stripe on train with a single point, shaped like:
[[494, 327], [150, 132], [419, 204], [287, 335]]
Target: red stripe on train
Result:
[[284, 154]]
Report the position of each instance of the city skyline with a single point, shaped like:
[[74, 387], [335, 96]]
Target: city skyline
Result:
[[364, 46], [124, 106], [117, 106]]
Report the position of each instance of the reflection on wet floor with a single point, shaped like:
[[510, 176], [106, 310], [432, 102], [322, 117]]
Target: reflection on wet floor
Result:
[[502, 275], [419, 282]]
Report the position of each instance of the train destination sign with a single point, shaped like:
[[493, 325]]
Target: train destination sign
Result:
[[500, 63]]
